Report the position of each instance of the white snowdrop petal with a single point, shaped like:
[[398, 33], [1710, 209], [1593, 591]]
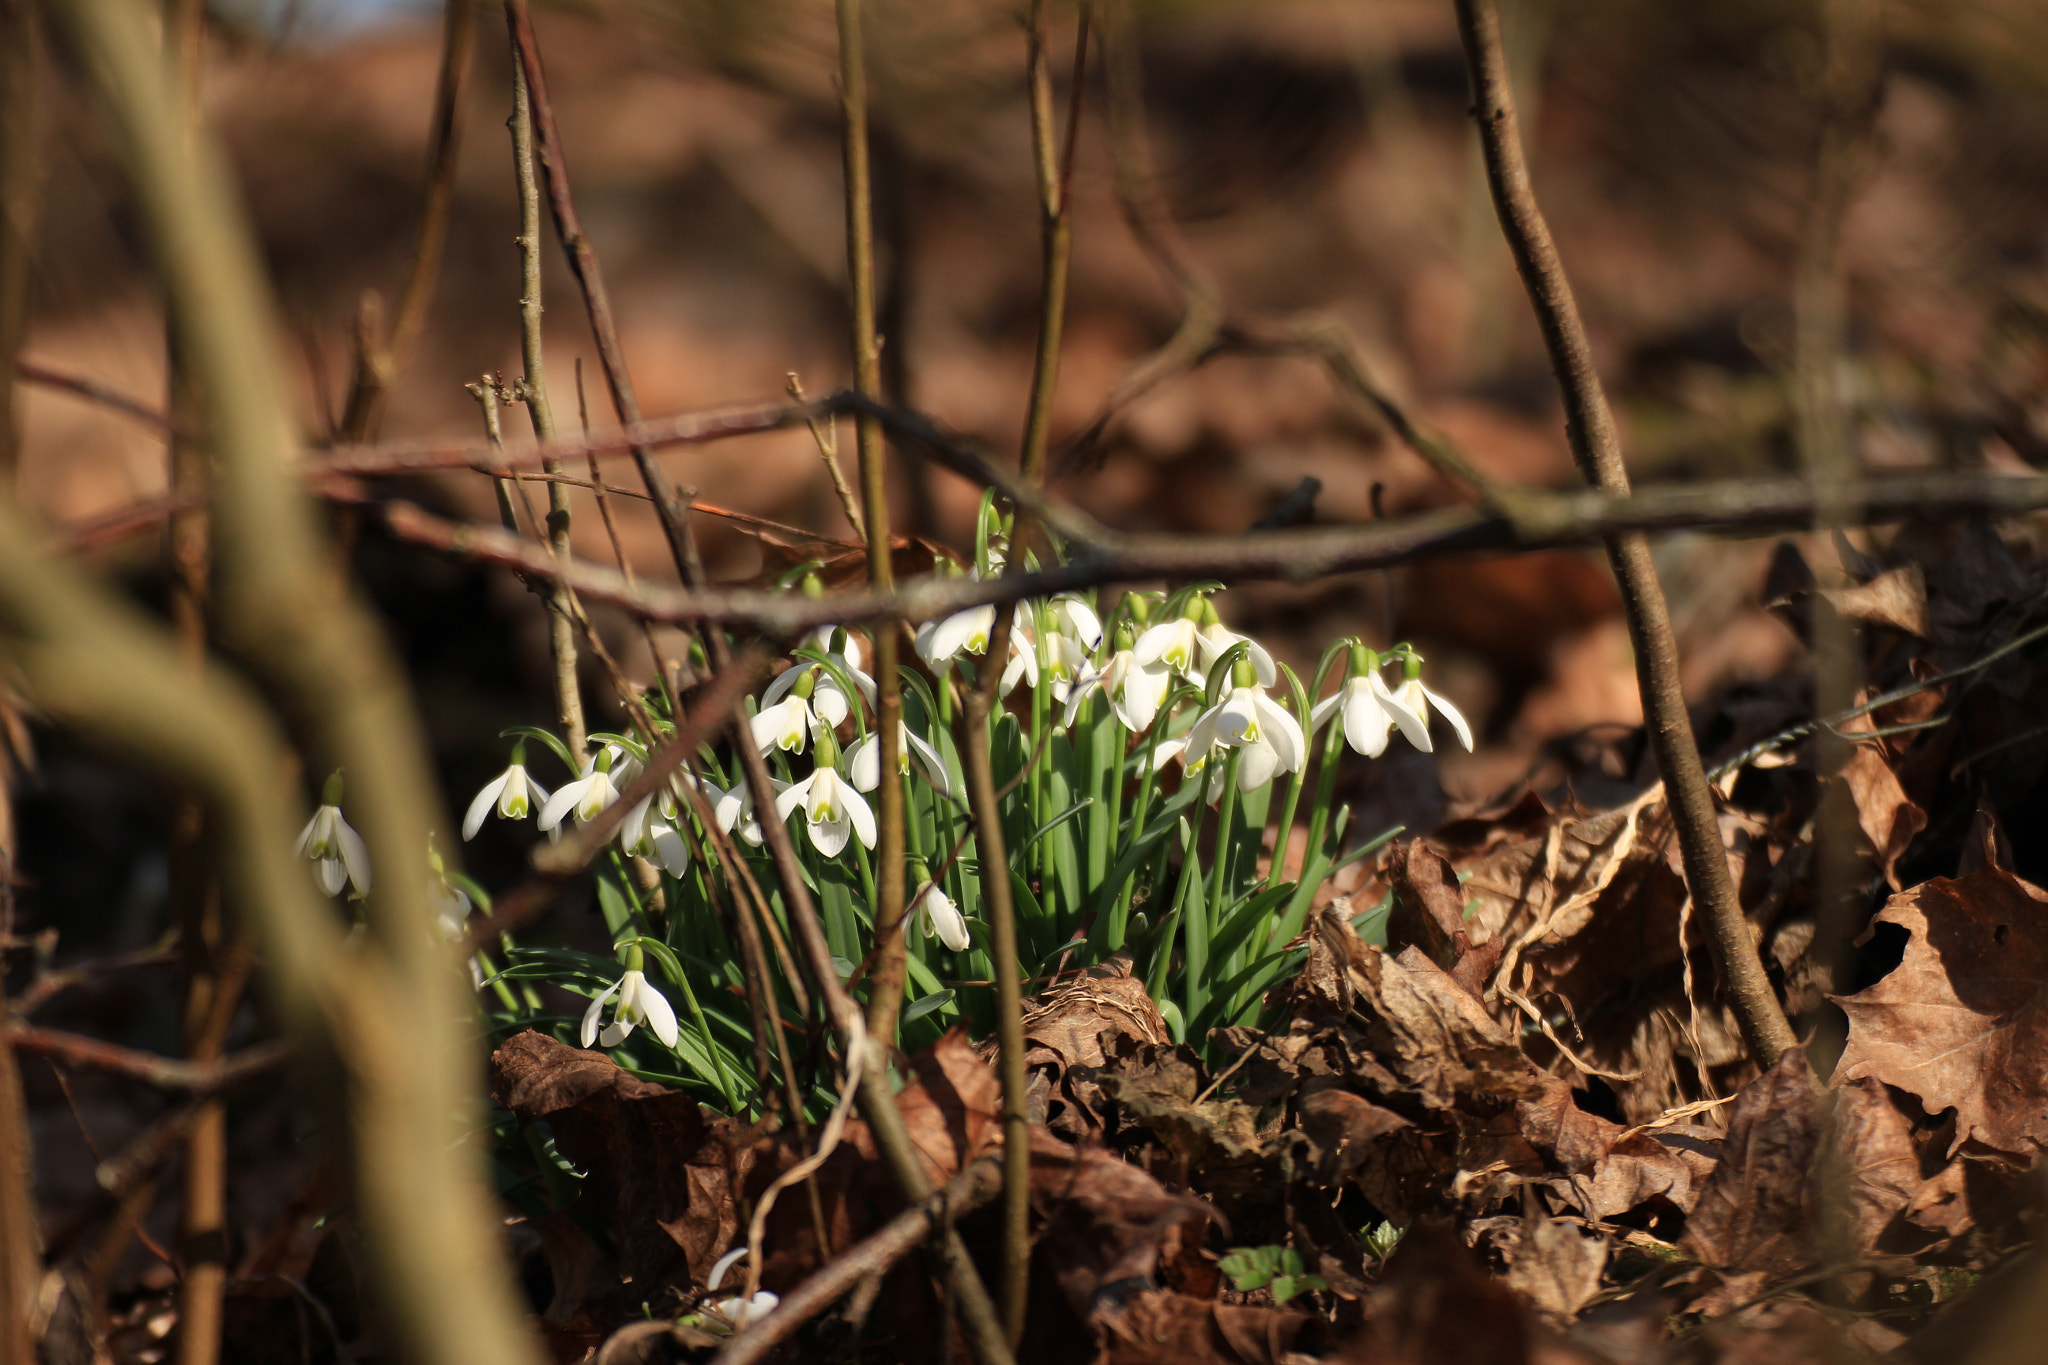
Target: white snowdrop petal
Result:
[[594, 1012], [473, 818], [355, 854]]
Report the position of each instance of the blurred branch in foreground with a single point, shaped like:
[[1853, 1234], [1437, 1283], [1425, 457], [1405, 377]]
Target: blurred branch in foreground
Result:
[[388, 1009]]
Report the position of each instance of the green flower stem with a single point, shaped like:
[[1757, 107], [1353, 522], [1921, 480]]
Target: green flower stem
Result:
[[1173, 915], [1285, 828], [1326, 790], [1219, 887], [1120, 917]]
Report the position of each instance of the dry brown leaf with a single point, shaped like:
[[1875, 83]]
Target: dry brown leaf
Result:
[[1429, 913], [1888, 817], [1896, 598], [661, 1172], [1557, 1267], [1756, 1215], [1872, 1160], [1962, 1021]]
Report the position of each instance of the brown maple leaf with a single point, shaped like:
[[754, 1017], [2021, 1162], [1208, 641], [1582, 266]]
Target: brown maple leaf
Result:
[[1962, 1021]]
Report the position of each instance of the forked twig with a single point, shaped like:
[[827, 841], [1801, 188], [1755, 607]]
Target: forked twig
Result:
[[1596, 447]]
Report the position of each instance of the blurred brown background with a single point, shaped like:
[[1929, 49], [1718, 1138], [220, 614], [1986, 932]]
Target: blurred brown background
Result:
[[1315, 155]]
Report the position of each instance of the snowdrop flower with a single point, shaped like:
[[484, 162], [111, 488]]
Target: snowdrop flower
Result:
[[1174, 645], [654, 833], [1368, 710], [827, 702], [1268, 740], [1215, 639], [734, 811], [964, 632], [1071, 616], [787, 725], [1023, 661], [513, 791], [589, 794], [1411, 698], [832, 810], [736, 1312], [864, 760], [639, 1003], [937, 915], [339, 854], [739, 1312], [1135, 691], [1066, 660]]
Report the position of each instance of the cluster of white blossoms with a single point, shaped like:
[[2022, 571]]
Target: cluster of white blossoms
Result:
[[1182, 686]]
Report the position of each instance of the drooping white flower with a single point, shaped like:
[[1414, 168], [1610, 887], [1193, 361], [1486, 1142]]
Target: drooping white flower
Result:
[[589, 794], [1067, 659], [864, 760], [653, 832], [1362, 703], [964, 632], [731, 1314], [788, 725], [1216, 638], [1022, 664], [1268, 740], [833, 810], [737, 1312], [827, 702], [339, 854], [937, 915], [1135, 691], [1175, 645], [639, 1003], [1072, 616], [513, 791], [1410, 700], [734, 811]]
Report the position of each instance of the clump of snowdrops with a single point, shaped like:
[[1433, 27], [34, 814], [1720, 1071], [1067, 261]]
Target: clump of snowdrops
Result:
[[1150, 761]]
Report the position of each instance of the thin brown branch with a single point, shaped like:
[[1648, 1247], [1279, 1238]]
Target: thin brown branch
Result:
[[1299, 555], [885, 991], [873, 1256], [165, 1073], [1596, 447], [92, 391], [378, 361], [533, 391], [675, 521], [390, 1008]]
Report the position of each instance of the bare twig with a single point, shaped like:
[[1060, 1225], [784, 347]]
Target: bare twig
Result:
[[825, 435], [966, 1192], [92, 391], [533, 391], [379, 361], [390, 1009], [1597, 449], [165, 1073], [20, 196], [1302, 554], [885, 991]]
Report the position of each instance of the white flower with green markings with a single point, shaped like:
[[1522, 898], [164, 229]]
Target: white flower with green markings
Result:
[[864, 760], [340, 857], [639, 1003], [833, 810], [514, 792]]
